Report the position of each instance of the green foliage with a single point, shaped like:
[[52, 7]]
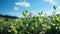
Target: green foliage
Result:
[[30, 24]]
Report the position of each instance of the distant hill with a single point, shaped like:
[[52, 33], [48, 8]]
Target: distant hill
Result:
[[58, 14], [7, 16]]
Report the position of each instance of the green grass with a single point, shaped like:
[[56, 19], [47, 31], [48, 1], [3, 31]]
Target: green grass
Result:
[[30, 24]]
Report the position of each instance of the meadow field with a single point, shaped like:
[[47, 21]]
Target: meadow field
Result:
[[31, 24]]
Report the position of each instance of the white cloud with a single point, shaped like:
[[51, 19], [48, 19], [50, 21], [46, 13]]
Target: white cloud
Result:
[[50, 1], [24, 4], [16, 8], [57, 12], [48, 12], [58, 7]]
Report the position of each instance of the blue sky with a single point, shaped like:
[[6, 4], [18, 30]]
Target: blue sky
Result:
[[15, 7]]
